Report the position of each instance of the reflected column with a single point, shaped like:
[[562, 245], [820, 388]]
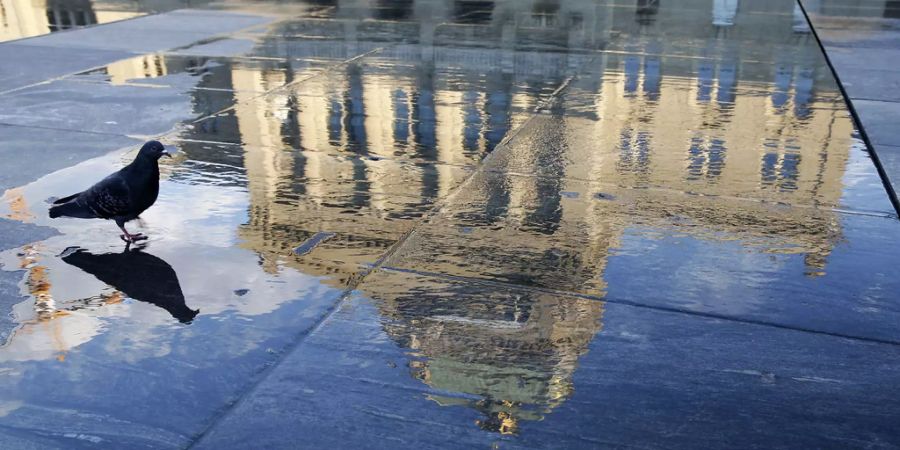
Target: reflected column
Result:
[[425, 126], [357, 142]]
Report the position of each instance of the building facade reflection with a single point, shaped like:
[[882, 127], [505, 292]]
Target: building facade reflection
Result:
[[366, 149]]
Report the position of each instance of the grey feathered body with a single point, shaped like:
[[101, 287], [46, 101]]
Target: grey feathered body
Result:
[[122, 196]]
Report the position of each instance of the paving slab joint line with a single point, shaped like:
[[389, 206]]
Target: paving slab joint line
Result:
[[885, 180], [635, 304], [357, 279]]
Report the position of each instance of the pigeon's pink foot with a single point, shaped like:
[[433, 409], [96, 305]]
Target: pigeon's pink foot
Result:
[[130, 238]]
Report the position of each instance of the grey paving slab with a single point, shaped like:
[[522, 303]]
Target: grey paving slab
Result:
[[879, 119], [99, 108], [851, 59], [435, 363], [31, 152], [881, 85], [875, 31], [197, 20], [849, 36], [25, 65], [107, 108], [150, 33], [862, 48], [889, 156], [848, 10], [126, 40]]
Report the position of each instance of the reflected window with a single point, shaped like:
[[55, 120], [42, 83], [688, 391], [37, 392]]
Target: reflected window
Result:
[[545, 13], [394, 9], [356, 110], [70, 14], [652, 77], [576, 21], [799, 23], [498, 104], [726, 93], [632, 73], [472, 11], [424, 112], [706, 159], [401, 117], [716, 158], [51, 19], [769, 165], [335, 122], [790, 167], [646, 10], [724, 12], [892, 9], [705, 74], [634, 151], [472, 121], [783, 75], [780, 169], [803, 92]]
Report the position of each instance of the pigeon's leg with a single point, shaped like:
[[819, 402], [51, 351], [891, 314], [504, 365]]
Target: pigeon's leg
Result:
[[128, 237]]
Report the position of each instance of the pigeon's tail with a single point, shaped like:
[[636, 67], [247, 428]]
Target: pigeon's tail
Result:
[[70, 209]]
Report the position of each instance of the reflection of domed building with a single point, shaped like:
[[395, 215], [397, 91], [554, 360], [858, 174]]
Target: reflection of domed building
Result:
[[703, 146], [365, 151], [515, 353], [385, 137]]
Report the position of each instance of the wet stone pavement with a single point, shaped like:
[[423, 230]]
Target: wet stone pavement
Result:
[[863, 43], [438, 223]]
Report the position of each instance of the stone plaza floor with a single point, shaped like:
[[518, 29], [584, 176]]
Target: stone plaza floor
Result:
[[453, 224]]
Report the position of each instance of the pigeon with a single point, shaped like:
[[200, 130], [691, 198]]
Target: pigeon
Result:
[[122, 196]]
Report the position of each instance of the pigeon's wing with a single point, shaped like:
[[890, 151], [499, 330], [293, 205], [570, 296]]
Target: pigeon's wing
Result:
[[109, 198]]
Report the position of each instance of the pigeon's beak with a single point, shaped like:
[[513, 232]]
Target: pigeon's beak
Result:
[[167, 151], [167, 154]]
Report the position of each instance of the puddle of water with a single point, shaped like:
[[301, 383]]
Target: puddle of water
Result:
[[673, 173]]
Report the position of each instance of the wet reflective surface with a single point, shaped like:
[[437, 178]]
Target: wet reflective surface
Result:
[[486, 223]]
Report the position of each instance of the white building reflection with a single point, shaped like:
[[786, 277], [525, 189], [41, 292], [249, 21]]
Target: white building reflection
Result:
[[364, 150]]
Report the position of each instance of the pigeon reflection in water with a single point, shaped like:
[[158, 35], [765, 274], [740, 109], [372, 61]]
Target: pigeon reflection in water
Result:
[[138, 275]]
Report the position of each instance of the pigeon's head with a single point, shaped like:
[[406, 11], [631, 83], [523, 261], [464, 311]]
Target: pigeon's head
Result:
[[153, 150]]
